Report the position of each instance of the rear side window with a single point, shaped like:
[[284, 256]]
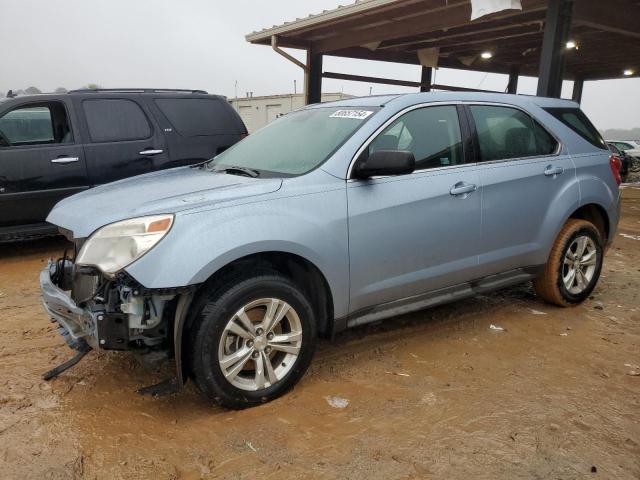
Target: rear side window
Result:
[[508, 133], [577, 121], [193, 117], [115, 120]]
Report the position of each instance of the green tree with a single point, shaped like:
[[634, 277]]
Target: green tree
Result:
[[32, 91], [60, 90]]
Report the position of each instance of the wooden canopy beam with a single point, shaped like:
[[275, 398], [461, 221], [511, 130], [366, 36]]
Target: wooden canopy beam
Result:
[[488, 30], [556, 33], [384, 81], [578, 85], [512, 86], [313, 84], [426, 79], [610, 16], [412, 59], [381, 15], [449, 15], [401, 83]]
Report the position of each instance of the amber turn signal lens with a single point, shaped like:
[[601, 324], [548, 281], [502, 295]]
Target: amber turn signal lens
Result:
[[159, 225]]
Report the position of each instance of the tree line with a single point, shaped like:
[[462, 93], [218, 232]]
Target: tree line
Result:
[[35, 90]]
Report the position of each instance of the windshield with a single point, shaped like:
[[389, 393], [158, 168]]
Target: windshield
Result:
[[295, 143]]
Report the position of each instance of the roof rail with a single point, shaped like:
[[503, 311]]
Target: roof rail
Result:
[[135, 90]]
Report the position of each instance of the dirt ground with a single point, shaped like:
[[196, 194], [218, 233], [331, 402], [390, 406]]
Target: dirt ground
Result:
[[435, 394]]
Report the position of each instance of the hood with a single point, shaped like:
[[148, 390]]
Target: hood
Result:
[[166, 191]]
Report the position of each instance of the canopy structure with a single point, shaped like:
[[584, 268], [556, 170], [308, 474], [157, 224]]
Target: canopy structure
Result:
[[578, 40]]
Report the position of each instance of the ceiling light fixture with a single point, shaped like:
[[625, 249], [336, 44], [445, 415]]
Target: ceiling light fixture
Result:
[[572, 45], [628, 72], [486, 55]]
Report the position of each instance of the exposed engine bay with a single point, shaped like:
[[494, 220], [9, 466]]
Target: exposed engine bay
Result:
[[126, 315], [111, 313]]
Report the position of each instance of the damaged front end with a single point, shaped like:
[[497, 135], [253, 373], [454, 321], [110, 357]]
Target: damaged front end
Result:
[[114, 312]]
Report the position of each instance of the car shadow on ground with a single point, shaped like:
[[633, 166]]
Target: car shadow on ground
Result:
[[431, 327]]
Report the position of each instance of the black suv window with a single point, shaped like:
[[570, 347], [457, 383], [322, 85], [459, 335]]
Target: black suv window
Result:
[[506, 133], [432, 134], [192, 117], [577, 121], [35, 124], [113, 120]]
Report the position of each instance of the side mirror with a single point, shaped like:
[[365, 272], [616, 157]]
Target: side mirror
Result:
[[385, 162]]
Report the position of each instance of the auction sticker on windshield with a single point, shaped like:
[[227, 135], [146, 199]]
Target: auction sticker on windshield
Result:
[[357, 114]]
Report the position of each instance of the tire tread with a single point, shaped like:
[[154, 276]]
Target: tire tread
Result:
[[547, 285], [214, 299]]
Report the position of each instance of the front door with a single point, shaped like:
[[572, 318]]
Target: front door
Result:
[[410, 234], [41, 161]]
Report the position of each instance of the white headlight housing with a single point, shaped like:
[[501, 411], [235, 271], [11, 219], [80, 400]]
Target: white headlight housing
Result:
[[114, 246]]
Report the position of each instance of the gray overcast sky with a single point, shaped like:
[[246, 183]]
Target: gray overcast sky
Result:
[[200, 44]]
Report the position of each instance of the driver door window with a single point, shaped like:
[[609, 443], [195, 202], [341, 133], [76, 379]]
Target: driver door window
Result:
[[41, 124], [432, 134]]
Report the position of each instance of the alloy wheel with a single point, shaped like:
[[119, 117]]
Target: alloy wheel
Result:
[[260, 344], [579, 266]]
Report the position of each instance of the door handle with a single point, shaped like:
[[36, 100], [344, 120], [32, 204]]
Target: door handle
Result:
[[150, 151], [64, 160], [462, 188], [552, 171]]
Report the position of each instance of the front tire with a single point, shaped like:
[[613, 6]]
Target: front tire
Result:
[[574, 265], [252, 340]]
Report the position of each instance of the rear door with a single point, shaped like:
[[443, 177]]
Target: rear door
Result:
[[121, 139], [197, 127], [41, 160], [524, 172]]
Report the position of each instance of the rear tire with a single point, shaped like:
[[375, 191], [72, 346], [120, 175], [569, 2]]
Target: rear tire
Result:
[[252, 341], [574, 265]]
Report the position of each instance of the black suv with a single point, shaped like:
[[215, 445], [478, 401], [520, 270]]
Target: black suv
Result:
[[52, 146]]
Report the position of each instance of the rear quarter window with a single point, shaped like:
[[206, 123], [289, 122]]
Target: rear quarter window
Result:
[[576, 120], [193, 117], [115, 120]]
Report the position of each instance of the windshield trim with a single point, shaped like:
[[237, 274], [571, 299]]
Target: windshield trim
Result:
[[274, 174]]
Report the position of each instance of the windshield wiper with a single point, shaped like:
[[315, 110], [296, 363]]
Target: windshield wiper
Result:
[[233, 170]]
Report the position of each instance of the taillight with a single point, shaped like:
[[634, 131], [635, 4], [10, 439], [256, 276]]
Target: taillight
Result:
[[616, 164]]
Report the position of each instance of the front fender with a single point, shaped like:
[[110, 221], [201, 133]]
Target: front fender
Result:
[[312, 226]]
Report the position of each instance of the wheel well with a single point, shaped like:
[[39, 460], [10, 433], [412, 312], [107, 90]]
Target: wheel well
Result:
[[595, 214], [300, 270]]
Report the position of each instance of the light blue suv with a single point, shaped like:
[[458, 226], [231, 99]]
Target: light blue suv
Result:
[[334, 216]]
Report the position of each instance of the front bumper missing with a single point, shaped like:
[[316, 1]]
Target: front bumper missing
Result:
[[102, 326], [79, 322]]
